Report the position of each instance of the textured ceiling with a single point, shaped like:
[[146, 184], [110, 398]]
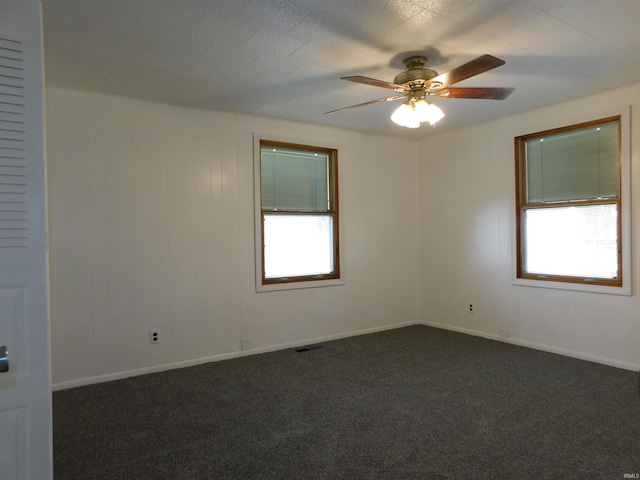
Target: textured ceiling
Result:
[[284, 58]]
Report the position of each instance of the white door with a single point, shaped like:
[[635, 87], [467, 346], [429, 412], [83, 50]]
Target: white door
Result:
[[25, 389]]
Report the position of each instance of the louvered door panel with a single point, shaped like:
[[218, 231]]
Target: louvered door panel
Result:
[[14, 225]]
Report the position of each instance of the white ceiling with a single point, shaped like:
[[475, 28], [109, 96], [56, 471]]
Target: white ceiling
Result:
[[284, 58]]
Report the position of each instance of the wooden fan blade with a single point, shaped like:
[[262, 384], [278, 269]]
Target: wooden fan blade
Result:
[[374, 82], [480, 93], [474, 67], [380, 100]]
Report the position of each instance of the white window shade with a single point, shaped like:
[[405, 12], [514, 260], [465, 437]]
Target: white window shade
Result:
[[294, 180], [577, 165]]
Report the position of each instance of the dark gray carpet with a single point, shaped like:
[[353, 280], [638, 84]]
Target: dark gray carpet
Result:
[[412, 403]]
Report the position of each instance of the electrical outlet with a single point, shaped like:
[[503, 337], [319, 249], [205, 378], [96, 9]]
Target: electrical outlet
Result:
[[471, 307], [154, 336]]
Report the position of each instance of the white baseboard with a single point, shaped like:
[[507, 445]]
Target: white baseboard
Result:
[[327, 338], [216, 358], [81, 382], [539, 346], [310, 341]]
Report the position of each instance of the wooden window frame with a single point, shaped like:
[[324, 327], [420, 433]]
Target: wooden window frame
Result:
[[522, 206], [332, 211]]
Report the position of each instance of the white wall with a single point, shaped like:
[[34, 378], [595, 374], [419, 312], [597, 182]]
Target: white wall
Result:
[[151, 226], [466, 222]]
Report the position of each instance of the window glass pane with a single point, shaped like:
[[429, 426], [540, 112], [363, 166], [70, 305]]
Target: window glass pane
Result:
[[294, 180], [297, 245], [575, 241], [576, 165]]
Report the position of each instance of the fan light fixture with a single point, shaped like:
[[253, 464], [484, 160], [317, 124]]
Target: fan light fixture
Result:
[[413, 112]]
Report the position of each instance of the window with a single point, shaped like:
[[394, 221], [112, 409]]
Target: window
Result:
[[298, 205], [568, 204]]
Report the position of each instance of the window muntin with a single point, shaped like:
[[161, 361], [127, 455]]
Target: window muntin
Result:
[[569, 204], [299, 213]]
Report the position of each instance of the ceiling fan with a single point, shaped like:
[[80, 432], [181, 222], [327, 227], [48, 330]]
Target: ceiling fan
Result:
[[417, 83]]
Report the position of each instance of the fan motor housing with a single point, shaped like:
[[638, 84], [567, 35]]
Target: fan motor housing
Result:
[[415, 71]]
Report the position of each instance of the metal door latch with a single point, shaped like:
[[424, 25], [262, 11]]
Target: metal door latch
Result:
[[4, 359]]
